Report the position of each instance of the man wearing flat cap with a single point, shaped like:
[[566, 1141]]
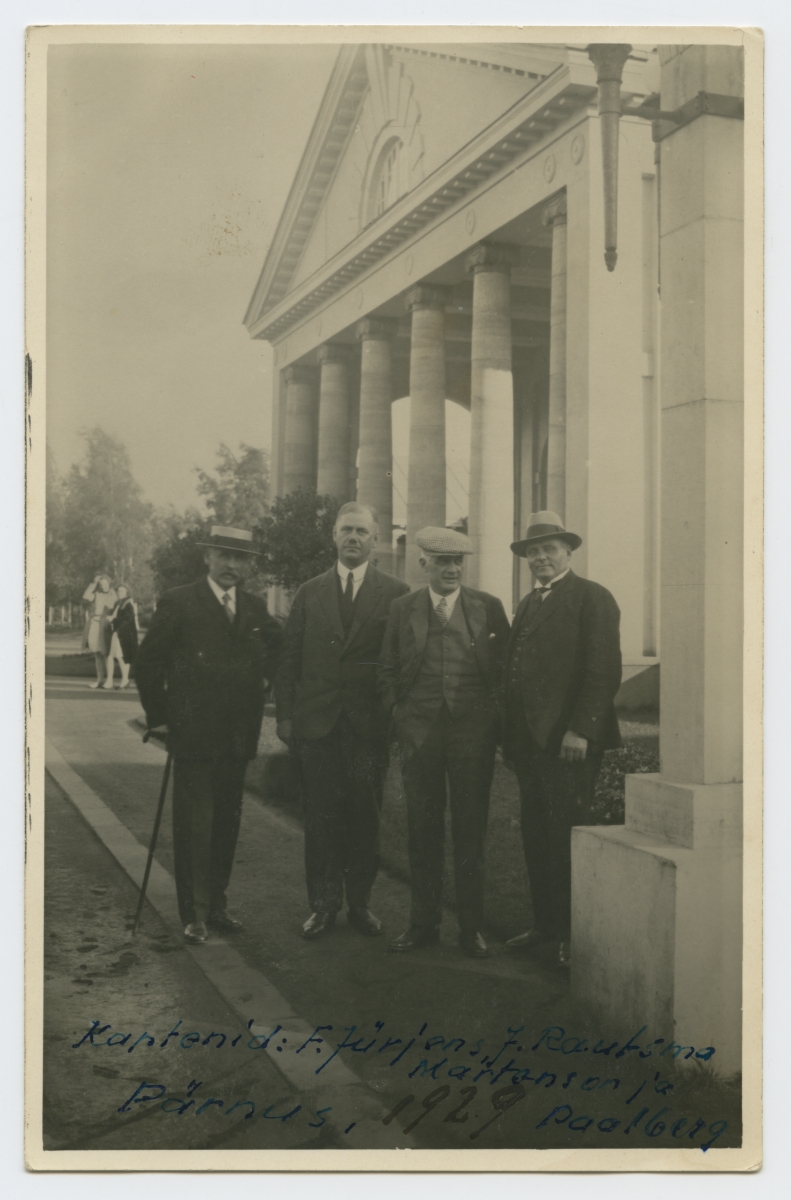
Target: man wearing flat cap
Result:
[[330, 716], [563, 671], [442, 661], [203, 672]]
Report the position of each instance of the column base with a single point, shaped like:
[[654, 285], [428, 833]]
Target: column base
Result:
[[657, 923]]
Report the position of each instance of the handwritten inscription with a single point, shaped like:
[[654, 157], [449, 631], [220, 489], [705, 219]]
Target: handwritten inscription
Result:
[[501, 1076]]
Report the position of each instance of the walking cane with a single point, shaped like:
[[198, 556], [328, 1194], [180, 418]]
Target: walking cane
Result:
[[154, 835]]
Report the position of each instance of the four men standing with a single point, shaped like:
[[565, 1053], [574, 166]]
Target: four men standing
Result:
[[361, 654]]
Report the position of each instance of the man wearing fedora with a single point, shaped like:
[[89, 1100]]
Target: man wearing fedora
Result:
[[562, 674], [329, 715], [203, 672], [440, 678]]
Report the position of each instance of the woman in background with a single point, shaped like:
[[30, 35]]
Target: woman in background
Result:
[[123, 645], [102, 599]]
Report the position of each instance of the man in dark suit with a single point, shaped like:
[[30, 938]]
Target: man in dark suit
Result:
[[442, 662], [329, 713], [564, 669], [203, 671]]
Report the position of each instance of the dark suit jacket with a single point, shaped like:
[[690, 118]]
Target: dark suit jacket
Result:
[[205, 678], [571, 666], [405, 642], [322, 672]]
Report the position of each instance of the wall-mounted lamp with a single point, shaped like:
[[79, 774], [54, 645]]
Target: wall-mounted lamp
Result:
[[609, 59]]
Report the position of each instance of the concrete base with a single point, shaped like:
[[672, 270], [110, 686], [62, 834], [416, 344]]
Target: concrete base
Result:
[[657, 919]]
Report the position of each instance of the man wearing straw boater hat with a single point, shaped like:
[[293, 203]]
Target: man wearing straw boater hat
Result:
[[441, 673], [203, 672], [563, 671]]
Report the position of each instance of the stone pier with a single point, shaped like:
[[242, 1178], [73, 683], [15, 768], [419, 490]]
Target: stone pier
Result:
[[657, 903]]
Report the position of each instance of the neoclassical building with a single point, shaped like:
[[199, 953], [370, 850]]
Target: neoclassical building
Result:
[[444, 240]]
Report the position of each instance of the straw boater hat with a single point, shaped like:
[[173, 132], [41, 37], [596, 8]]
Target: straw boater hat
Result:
[[434, 540], [223, 537], [542, 525]]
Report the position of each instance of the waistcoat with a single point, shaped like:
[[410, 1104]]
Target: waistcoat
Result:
[[449, 671]]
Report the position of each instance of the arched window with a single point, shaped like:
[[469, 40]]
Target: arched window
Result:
[[386, 180]]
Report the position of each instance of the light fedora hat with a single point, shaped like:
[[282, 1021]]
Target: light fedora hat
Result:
[[225, 537], [542, 525]]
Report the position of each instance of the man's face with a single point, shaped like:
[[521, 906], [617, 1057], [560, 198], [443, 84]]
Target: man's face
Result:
[[227, 567], [355, 537], [548, 558], [443, 572]]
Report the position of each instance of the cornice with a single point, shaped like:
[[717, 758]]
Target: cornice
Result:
[[570, 89], [345, 90]]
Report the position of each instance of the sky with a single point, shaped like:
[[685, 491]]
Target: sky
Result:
[[168, 169]]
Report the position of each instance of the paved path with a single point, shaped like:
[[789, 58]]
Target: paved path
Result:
[[270, 975]]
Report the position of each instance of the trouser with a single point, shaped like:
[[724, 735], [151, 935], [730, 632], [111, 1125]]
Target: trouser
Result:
[[556, 795], [341, 777], [117, 653], [460, 752], [207, 810]]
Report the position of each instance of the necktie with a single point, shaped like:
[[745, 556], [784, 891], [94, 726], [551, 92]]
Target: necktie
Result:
[[226, 603], [347, 603], [442, 611]]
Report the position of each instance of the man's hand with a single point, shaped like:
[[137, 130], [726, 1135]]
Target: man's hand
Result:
[[573, 748], [285, 731]]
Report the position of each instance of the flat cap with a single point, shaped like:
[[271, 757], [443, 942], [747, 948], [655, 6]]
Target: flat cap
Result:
[[434, 540]]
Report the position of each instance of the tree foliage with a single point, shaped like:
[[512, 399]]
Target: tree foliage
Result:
[[177, 558], [238, 493], [97, 520], [296, 538]]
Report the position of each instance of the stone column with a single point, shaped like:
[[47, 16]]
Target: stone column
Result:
[[299, 442], [334, 418], [375, 462], [555, 215], [426, 498], [657, 903], [491, 511]]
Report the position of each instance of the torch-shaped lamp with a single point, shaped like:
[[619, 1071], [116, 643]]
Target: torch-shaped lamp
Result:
[[609, 59]]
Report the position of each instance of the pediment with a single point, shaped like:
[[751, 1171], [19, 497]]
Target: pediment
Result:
[[372, 112]]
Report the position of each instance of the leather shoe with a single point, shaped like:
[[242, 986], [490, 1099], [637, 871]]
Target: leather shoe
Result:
[[224, 922], [317, 924], [564, 954], [472, 942], [533, 937], [417, 935], [196, 933], [364, 921]]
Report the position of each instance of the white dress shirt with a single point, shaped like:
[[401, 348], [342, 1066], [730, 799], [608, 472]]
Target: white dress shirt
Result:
[[220, 592], [358, 575], [552, 583], [450, 600]]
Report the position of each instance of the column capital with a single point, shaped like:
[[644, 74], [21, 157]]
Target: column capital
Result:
[[300, 373], [380, 329], [334, 352], [493, 256], [426, 296], [556, 212]]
